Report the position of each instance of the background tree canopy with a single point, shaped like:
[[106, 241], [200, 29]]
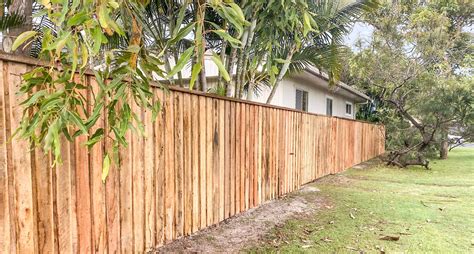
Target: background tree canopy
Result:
[[418, 66]]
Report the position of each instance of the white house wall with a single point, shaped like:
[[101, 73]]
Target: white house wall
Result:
[[285, 96]]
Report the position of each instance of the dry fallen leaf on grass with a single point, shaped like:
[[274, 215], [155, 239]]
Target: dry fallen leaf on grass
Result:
[[390, 238], [326, 239], [306, 246], [352, 248], [352, 215]]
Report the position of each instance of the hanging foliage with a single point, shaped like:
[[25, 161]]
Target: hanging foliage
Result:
[[108, 38]]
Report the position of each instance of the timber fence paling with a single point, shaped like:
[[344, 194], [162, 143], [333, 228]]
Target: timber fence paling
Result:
[[206, 158]]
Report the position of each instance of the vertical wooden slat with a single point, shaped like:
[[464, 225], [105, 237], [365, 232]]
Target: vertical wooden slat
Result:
[[209, 162], [202, 161], [187, 159], [112, 188], [232, 157], [238, 167], [264, 154], [276, 158], [83, 193], [251, 152], [96, 154], [65, 200], [138, 185], [159, 135], [215, 162], [150, 181], [221, 165], [259, 155], [44, 202], [44, 185], [20, 170], [227, 160], [5, 226], [169, 189], [179, 179], [196, 133], [245, 161], [126, 197]]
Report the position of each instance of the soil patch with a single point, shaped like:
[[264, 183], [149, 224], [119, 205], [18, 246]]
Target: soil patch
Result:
[[251, 226]]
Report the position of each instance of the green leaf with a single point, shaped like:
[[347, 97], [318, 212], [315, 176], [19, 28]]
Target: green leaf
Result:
[[85, 56], [22, 38], [105, 168], [194, 75], [180, 18], [224, 35], [307, 21], [96, 137], [232, 17], [183, 32], [181, 62], [33, 98], [103, 16], [114, 4], [74, 117], [61, 43], [217, 60], [238, 11], [282, 61], [77, 19]]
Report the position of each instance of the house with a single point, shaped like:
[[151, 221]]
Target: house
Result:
[[309, 91]]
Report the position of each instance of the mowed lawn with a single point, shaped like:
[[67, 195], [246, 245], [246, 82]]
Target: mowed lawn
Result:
[[414, 210]]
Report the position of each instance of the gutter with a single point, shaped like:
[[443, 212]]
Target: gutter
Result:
[[316, 72]]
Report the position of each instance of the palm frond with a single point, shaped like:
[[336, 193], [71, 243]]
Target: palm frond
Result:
[[12, 20], [325, 50], [328, 58], [335, 20], [261, 83]]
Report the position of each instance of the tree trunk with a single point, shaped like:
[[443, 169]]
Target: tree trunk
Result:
[[443, 151], [281, 75], [24, 8], [202, 77], [201, 43]]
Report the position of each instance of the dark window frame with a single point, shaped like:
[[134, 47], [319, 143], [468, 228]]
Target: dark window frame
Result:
[[301, 103], [349, 108], [329, 106]]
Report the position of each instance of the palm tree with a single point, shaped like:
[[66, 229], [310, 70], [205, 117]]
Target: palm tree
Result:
[[324, 47], [9, 20], [17, 20]]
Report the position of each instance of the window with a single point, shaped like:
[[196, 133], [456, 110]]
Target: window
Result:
[[329, 106], [301, 100], [348, 108]]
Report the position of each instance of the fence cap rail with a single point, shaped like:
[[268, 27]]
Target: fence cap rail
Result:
[[37, 62]]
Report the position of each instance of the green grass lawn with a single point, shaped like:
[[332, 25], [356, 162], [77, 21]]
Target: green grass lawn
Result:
[[431, 211]]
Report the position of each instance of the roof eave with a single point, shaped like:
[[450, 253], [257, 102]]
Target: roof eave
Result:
[[316, 72]]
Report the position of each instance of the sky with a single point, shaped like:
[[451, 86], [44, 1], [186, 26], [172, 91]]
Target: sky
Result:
[[359, 31]]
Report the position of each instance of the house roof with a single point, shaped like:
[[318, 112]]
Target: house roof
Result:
[[212, 72], [318, 73]]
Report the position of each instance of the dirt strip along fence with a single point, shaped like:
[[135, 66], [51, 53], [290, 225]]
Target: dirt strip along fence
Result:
[[204, 160]]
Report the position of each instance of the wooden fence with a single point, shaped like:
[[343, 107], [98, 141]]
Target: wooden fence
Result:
[[204, 160]]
